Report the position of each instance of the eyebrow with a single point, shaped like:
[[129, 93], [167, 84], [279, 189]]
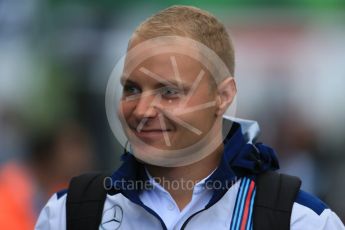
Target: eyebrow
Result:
[[162, 82], [124, 80], [171, 82]]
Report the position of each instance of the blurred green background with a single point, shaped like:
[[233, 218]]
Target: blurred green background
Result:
[[56, 57]]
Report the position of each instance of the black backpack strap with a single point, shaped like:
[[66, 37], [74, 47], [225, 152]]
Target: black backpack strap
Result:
[[275, 196], [85, 201]]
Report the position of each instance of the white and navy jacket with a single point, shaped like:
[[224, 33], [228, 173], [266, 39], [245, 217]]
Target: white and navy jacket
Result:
[[225, 205]]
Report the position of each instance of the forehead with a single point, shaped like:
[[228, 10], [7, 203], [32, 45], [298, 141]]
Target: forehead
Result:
[[172, 67]]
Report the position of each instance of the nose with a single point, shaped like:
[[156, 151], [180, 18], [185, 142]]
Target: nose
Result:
[[145, 108]]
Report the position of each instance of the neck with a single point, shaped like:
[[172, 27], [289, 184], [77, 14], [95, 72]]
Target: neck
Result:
[[185, 175]]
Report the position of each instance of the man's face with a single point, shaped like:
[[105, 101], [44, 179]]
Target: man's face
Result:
[[168, 102]]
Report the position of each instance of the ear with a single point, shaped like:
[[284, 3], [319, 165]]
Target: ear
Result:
[[226, 92]]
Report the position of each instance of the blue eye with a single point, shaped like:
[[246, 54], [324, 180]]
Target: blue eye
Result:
[[131, 90], [169, 92]]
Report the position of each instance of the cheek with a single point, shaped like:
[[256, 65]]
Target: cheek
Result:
[[203, 117], [125, 109]]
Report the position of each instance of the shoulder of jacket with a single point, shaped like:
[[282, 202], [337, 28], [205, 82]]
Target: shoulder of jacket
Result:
[[312, 202], [53, 214], [310, 213]]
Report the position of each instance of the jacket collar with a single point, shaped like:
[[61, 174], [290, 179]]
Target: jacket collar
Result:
[[242, 157]]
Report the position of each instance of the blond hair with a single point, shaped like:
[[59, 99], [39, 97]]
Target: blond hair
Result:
[[194, 23]]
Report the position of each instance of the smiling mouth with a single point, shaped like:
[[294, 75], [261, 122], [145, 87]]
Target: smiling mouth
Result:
[[152, 134], [149, 131], [152, 131], [136, 129]]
